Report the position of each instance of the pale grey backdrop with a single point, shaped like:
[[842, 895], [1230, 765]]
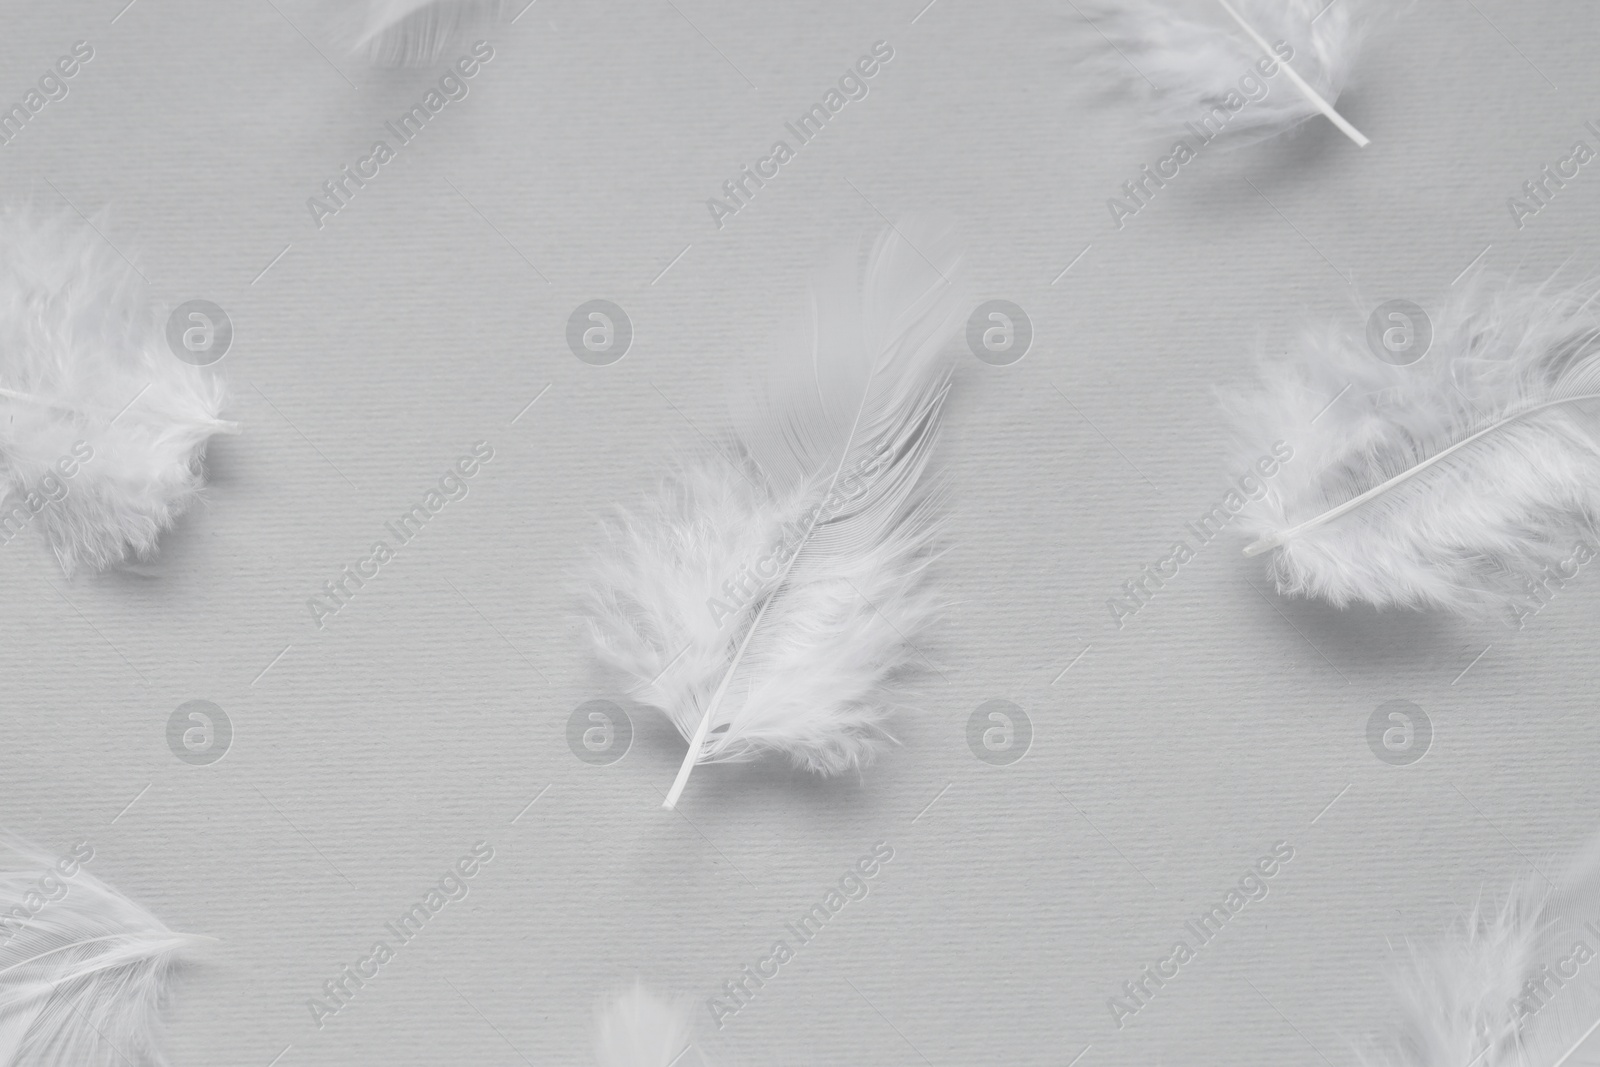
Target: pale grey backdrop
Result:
[[367, 757]]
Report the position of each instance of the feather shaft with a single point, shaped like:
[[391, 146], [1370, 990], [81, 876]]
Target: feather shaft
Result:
[[1576, 1045], [61, 948], [216, 425], [1300, 83], [697, 742], [693, 755], [1278, 538]]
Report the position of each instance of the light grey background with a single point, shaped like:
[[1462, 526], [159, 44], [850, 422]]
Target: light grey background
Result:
[[432, 709]]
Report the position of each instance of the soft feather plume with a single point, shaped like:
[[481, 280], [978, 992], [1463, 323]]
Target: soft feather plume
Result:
[[768, 598], [1484, 996], [636, 1028], [82, 979], [411, 33], [85, 366], [1193, 53], [1462, 481]]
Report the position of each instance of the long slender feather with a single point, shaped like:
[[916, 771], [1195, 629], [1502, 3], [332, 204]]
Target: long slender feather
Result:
[[1468, 481], [636, 1028], [1200, 59], [1516, 984], [411, 33], [770, 596], [102, 427], [83, 969]]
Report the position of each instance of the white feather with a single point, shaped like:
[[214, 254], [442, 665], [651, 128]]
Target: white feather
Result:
[[83, 978], [84, 359], [636, 1028], [1465, 999], [412, 33], [1189, 55], [807, 666], [1458, 482]]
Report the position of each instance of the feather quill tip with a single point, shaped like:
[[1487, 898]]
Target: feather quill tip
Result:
[[1211, 72], [1262, 545]]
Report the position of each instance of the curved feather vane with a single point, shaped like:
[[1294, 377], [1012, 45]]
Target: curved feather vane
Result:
[[1514, 985], [769, 596], [1469, 480], [1200, 59], [412, 33], [102, 428], [83, 969], [636, 1028]]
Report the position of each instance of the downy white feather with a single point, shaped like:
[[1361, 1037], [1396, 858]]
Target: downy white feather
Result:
[[411, 33], [636, 1028], [85, 369], [84, 976], [1502, 989], [1465, 481], [769, 597], [1191, 54]]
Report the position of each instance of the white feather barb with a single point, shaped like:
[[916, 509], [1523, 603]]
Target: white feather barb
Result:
[[1484, 995], [410, 33], [83, 969], [770, 596], [1194, 59], [636, 1028], [102, 427], [1468, 481]]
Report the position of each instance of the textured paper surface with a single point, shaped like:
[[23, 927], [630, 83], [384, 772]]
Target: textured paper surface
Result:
[[371, 353]]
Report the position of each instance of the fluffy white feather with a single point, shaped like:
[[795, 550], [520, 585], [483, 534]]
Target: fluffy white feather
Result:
[[83, 977], [1483, 995], [636, 1028], [85, 365], [1192, 54], [411, 33], [769, 597], [1465, 481]]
